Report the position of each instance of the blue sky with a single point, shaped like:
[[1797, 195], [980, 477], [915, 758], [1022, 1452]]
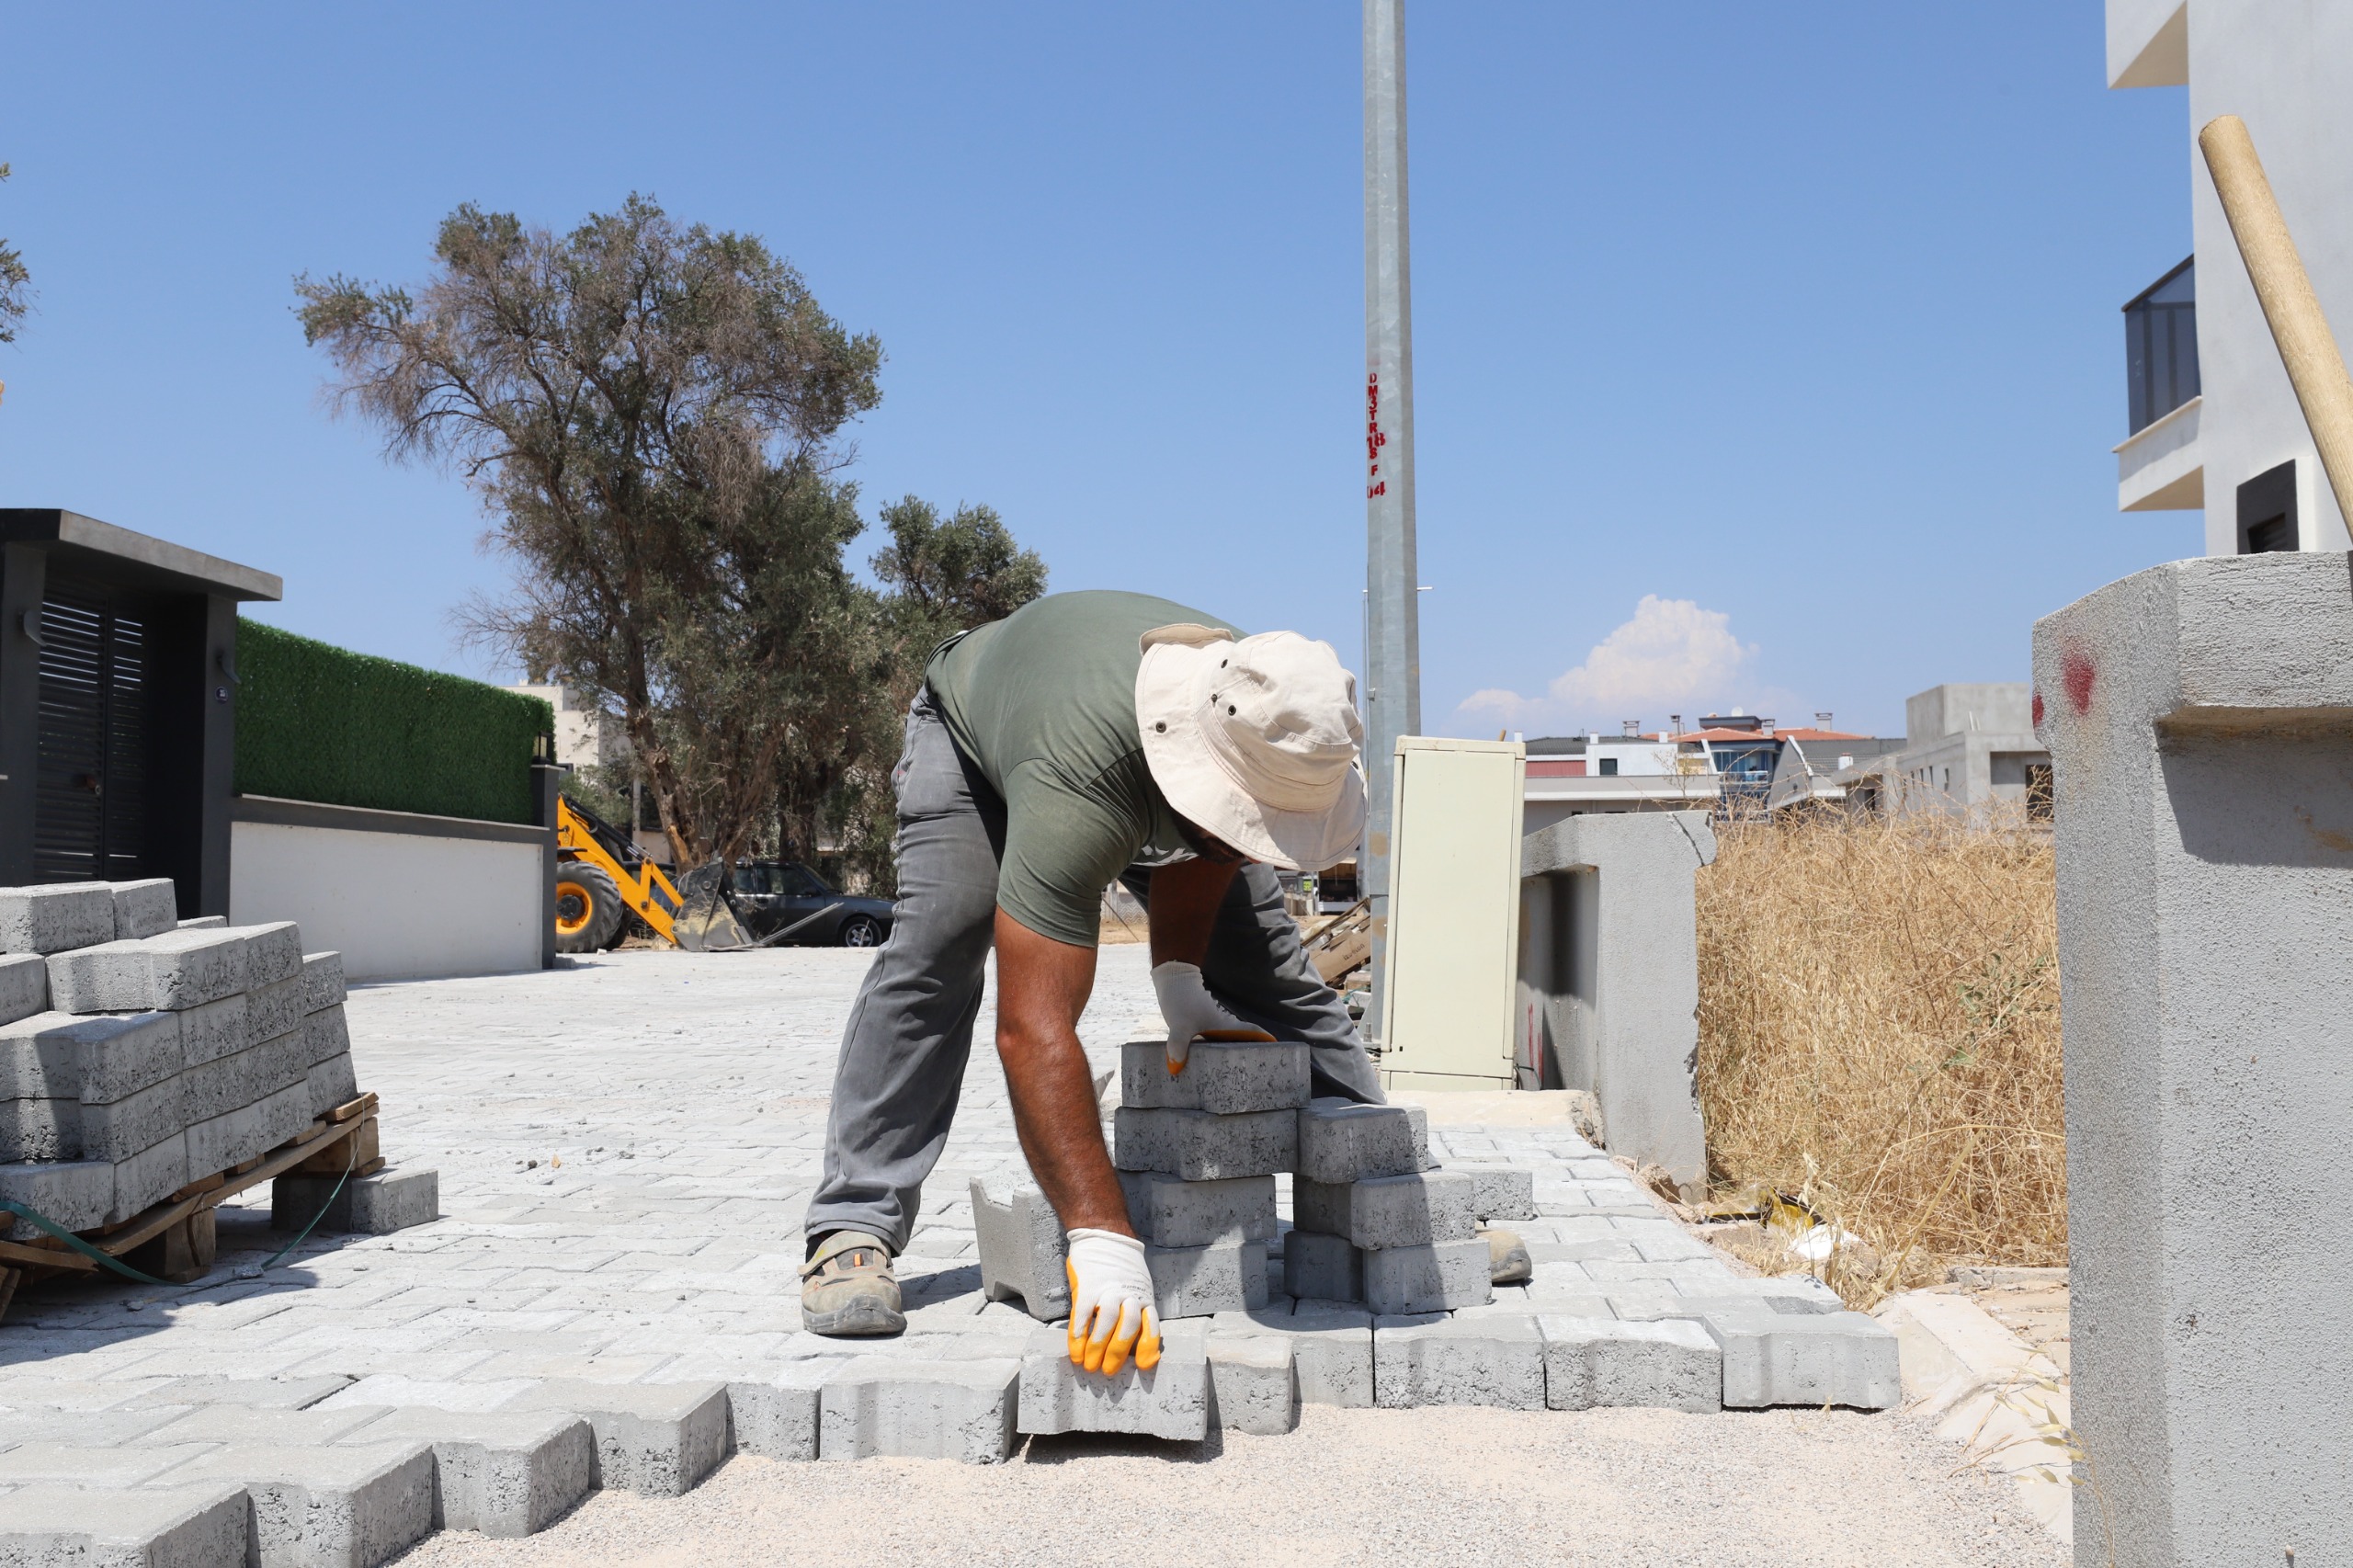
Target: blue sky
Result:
[[1765, 356]]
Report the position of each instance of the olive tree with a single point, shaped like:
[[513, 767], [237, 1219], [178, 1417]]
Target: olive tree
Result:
[[651, 415]]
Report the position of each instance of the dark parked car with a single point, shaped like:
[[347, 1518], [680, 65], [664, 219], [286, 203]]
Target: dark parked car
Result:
[[772, 895]]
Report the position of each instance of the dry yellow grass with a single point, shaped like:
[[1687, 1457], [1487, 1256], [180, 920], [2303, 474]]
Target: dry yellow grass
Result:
[[1879, 1037]]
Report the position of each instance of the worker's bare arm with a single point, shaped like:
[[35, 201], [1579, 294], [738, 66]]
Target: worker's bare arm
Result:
[[1041, 987], [1183, 912]]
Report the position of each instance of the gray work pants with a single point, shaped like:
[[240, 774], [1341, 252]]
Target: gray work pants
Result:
[[911, 1031]]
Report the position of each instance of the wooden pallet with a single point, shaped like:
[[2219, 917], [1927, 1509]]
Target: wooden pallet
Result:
[[174, 1239], [1343, 942]]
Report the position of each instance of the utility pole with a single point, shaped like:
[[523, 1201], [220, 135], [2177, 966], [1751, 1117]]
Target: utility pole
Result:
[[1392, 674]]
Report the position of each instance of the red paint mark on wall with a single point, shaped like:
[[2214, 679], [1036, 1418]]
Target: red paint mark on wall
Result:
[[2076, 675], [2038, 709], [1375, 438]]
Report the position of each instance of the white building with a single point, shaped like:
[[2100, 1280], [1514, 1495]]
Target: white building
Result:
[[585, 736], [2218, 425], [1967, 750]]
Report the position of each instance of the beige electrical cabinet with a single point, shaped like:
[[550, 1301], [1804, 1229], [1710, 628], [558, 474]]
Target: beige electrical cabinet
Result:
[[1447, 992]]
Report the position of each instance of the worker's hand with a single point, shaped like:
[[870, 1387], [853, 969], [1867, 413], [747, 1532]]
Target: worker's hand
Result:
[[1111, 1310], [1191, 1012]]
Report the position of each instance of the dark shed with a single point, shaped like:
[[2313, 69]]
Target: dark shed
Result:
[[118, 705]]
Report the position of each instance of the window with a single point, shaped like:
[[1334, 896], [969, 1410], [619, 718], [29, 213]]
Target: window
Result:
[[1610, 767], [2037, 791], [801, 882], [2161, 346], [2267, 511]]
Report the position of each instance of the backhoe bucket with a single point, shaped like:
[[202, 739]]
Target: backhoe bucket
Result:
[[707, 922]]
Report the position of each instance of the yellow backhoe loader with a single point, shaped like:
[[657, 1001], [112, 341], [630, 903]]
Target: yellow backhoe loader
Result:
[[603, 878]]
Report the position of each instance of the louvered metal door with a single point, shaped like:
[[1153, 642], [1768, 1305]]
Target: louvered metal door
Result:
[[90, 816]]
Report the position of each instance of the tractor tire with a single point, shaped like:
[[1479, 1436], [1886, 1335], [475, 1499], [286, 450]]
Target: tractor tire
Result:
[[588, 908]]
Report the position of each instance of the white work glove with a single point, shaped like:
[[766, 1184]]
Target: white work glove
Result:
[[1111, 1310], [1191, 1012]]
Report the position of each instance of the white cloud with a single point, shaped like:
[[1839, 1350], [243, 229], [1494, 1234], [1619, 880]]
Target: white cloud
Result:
[[1672, 656], [1671, 652]]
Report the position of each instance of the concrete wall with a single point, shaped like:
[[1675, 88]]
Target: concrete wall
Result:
[[1960, 709], [2200, 719], [1608, 988], [2279, 65], [398, 906]]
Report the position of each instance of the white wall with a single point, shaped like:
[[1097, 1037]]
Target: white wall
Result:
[[2280, 65], [397, 905]]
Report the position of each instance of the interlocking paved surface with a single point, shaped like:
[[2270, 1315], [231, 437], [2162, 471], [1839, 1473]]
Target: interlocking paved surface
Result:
[[626, 1146]]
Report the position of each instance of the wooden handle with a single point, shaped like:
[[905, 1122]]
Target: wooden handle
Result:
[[2298, 327]]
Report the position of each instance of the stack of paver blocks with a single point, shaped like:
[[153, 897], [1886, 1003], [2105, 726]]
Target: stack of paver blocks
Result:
[[139, 1053], [1375, 1220]]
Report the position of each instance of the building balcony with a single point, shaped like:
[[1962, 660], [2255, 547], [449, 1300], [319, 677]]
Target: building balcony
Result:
[[2158, 467]]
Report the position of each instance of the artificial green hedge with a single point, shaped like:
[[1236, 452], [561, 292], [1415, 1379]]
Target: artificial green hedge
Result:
[[318, 722]]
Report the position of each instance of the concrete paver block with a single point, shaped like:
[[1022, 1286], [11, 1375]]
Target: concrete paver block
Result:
[[39, 1129], [1804, 1358], [223, 1141], [657, 1440], [1171, 1401], [274, 952], [1429, 1358], [1340, 1141], [120, 1128], [23, 986], [1224, 1077], [1389, 1212], [1321, 1268], [56, 917], [1022, 1251], [1224, 1277], [919, 1408], [145, 908], [95, 1060], [251, 1424], [505, 1474], [214, 1030], [296, 1393], [323, 982], [162, 1527], [1673, 1364], [329, 1084], [75, 1195], [351, 1505], [1200, 1146], [165, 973], [148, 1178], [1502, 1192], [1174, 1212], [277, 1008], [204, 923], [325, 1034], [775, 1414], [234, 1082], [73, 1464], [1332, 1354], [392, 1199], [1434, 1279], [1256, 1382]]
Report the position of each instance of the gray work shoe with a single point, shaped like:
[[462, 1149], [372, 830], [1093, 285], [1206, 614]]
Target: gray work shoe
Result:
[[1508, 1260], [847, 1289]]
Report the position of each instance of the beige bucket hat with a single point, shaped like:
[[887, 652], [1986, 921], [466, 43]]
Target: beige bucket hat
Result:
[[1255, 741]]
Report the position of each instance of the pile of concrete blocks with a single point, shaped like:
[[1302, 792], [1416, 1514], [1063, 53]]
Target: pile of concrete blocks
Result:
[[140, 1054], [1375, 1220]]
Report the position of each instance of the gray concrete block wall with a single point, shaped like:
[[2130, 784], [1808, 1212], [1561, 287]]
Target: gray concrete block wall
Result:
[[1615, 984], [2200, 719]]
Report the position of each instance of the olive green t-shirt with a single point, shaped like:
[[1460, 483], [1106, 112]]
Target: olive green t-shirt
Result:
[[1045, 703]]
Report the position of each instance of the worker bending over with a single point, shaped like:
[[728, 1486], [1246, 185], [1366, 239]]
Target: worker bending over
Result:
[[1085, 737]]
